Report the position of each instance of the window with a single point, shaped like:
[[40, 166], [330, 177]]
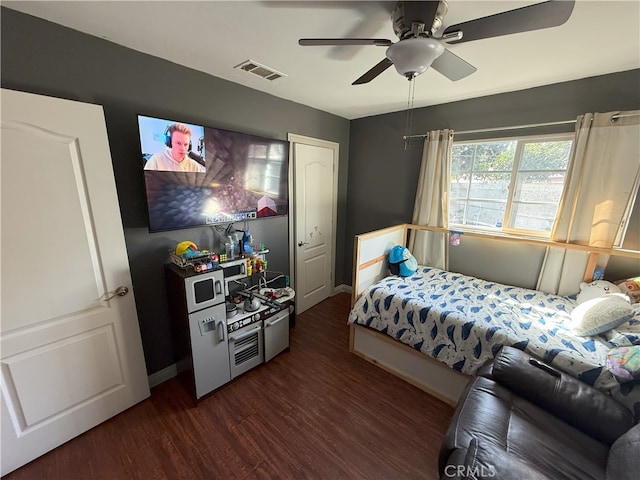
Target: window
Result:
[[511, 185]]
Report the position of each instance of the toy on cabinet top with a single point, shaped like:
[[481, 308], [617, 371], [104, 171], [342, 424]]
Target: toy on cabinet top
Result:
[[186, 255]]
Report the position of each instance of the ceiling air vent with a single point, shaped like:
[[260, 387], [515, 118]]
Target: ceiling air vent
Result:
[[260, 70]]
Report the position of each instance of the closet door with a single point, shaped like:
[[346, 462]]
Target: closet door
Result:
[[314, 205]]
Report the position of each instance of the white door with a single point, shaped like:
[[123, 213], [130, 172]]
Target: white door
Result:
[[315, 187], [70, 356]]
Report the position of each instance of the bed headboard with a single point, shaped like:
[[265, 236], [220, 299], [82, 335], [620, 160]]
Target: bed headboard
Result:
[[371, 251]]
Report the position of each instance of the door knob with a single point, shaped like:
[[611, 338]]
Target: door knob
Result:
[[119, 292], [300, 243]]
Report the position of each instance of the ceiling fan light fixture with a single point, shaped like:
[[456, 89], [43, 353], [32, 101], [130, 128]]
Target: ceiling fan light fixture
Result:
[[413, 56]]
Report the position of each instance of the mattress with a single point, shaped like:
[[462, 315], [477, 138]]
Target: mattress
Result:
[[463, 321]]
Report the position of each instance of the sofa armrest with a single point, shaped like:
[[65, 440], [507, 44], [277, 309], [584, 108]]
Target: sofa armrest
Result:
[[571, 400]]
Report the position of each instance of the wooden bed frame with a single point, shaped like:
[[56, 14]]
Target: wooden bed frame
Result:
[[424, 372]]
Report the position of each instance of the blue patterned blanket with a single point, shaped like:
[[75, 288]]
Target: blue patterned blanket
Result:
[[463, 321]]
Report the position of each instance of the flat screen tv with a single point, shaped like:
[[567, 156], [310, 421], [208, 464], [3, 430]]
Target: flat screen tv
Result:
[[196, 176]]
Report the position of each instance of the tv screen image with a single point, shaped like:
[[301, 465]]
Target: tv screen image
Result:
[[228, 176]]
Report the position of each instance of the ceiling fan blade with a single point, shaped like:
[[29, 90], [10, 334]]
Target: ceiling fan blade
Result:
[[534, 17], [452, 66], [374, 72], [313, 42]]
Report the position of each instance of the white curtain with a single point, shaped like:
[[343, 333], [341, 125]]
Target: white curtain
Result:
[[603, 176], [431, 205]]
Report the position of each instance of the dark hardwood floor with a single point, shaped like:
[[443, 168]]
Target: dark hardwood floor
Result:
[[314, 412]]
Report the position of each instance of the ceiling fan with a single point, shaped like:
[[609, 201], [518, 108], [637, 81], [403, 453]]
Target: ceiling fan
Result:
[[416, 22]]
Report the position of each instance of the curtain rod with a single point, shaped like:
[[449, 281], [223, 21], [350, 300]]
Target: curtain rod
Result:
[[517, 127]]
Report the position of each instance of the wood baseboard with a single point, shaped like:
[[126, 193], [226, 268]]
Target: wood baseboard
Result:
[[163, 375], [342, 288]]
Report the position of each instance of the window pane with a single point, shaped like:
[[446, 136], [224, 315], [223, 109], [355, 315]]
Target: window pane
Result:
[[490, 185], [546, 155], [494, 156], [461, 158], [485, 214], [533, 216], [539, 187], [456, 211], [459, 189]]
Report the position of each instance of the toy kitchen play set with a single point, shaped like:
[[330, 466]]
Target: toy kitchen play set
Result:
[[227, 316]]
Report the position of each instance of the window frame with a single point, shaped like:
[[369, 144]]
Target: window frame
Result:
[[506, 229]]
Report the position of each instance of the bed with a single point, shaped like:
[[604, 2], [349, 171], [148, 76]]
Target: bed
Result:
[[450, 324]]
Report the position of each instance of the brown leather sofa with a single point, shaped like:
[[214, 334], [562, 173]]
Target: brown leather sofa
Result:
[[522, 419]]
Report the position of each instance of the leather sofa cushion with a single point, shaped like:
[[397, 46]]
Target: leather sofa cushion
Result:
[[624, 457], [573, 401], [512, 433]]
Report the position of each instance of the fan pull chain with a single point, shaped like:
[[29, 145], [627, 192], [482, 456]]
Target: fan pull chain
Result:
[[410, 99]]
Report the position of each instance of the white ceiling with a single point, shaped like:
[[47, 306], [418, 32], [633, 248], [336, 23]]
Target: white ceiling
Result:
[[214, 36]]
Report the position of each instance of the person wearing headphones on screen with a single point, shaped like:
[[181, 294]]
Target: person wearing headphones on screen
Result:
[[175, 158]]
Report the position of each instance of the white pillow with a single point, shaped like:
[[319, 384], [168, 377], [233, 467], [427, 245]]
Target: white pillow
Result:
[[600, 314]]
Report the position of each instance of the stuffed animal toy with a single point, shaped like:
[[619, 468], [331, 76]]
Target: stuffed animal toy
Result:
[[631, 287], [401, 262], [596, 289], [624, 362]]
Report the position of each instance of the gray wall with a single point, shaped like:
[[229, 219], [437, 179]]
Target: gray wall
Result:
[[45, 58], [41, 57], [379, 162]]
